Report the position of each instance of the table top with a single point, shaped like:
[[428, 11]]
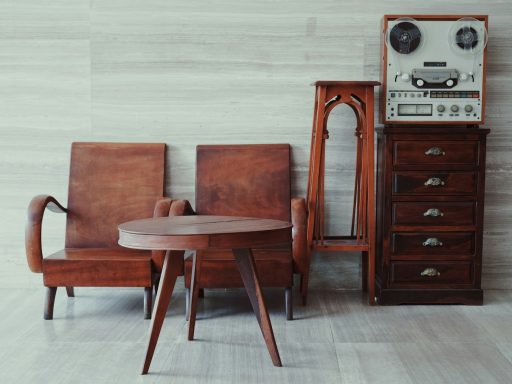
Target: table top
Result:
[[203, 232]]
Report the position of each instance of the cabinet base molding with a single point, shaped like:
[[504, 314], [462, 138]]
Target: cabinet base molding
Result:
[[437, 296]]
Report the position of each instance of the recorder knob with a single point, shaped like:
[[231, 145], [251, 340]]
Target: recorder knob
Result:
[[440, 108], [449, 82], [420, 83], [468, 108], [463, 76], [405, 77], [454, 108]]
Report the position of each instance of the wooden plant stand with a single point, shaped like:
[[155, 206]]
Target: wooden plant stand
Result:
[[359, 96]]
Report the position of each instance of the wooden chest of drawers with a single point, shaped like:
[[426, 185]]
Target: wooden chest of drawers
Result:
[[430, 199]]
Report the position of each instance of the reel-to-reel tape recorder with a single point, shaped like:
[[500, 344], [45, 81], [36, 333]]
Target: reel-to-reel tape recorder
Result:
[[433, 69]]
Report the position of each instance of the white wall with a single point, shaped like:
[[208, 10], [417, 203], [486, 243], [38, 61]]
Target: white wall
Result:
[[226, 71]]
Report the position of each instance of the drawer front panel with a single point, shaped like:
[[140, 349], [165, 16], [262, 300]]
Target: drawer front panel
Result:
[[433, 243], [431, 273], [434, 183], [435, 152], [433, 213]]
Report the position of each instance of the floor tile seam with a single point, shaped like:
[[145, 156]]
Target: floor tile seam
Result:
[[428, 342], [332, 341], [509, 359]]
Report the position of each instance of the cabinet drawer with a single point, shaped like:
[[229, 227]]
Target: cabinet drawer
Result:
[[434, 183], [433, 243], [435, 152], [433, 213], [431, 273]]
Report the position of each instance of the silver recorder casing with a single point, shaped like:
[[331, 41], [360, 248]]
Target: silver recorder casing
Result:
[[438, 82]]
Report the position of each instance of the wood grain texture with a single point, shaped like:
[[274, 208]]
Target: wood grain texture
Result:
[[204, 232], [33, 231], [141, 70], [110, 184], [245, 180], [170, 271], [273, 266], [247, 267], [96, 267], [248, 180]]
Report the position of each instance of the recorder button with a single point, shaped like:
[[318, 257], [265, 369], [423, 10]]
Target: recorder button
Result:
[[420, 83], [440, 108], [468, 108], [454, 108], [449, 82]]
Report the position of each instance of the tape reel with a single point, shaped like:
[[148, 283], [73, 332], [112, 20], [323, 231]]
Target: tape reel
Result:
[[405, 36], [468, 36]]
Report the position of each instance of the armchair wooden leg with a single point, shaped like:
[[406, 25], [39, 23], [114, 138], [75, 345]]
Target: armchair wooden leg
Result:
[[364, 270], [157, 282], [288, 298], [187, 303], [304, 282], [49, 301], [148, 302], [70, 291]]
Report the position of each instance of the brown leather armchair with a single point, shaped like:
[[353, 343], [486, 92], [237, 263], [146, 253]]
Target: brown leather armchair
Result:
[[109, 183], [253, 181]]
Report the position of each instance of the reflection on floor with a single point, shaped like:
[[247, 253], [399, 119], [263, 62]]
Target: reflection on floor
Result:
[[99, 337]]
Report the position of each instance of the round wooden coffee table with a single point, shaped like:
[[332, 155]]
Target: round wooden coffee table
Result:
[[205, 232]]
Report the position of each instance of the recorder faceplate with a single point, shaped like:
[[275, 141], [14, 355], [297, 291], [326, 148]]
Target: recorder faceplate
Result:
[[434, 69]]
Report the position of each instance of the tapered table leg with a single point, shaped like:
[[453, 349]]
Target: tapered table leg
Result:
[[247, 268], [170, 272], [194, 294]]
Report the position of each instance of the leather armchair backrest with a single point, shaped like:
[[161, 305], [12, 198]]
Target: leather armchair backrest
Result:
[[243, 180], [110, 183]]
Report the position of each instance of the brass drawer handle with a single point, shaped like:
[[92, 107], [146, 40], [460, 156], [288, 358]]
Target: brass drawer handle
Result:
[[431, 272], [432, 242], [434, 212], [434, 181], [435, 151]]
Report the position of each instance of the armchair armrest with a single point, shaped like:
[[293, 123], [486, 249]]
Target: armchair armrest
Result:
[[33, 227], [299, 221], [162, 207], [168, 207], [181, 208]]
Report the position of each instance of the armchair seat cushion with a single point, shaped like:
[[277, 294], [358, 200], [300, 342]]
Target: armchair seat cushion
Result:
[[219, 270], [98, 267]]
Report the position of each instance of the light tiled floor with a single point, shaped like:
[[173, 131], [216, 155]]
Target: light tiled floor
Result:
[[99, 337]]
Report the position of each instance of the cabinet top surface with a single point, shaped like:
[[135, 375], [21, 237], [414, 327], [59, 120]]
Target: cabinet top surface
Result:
[[432, 130], [346, 83]]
